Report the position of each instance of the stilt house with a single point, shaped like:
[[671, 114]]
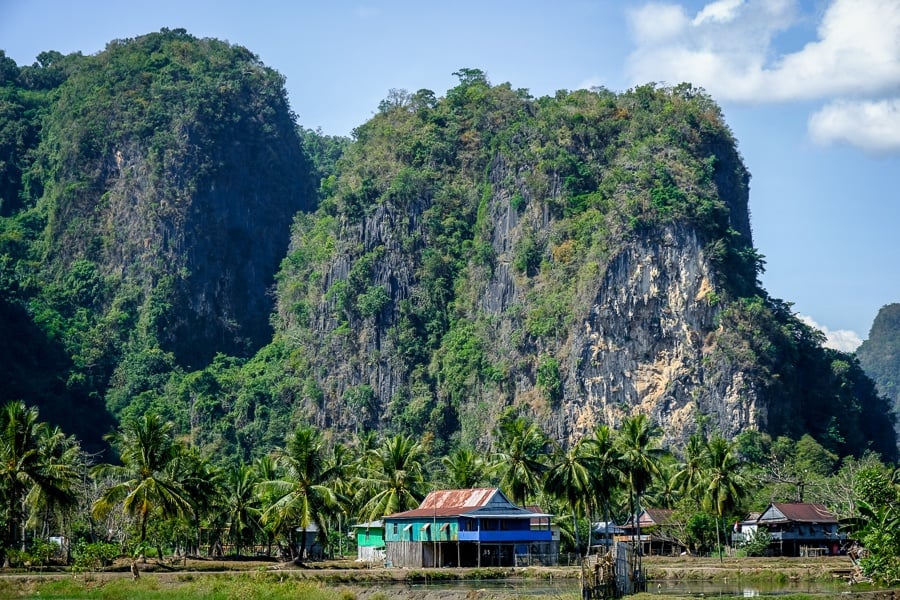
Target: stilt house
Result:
[[801, 529], [477, 527]]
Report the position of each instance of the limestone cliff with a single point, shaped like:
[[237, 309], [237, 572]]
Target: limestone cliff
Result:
[[579, 259], [173, 172], [879, 355]]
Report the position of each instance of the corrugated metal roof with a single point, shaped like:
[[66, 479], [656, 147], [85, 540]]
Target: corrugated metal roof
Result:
[[650, 517], [803, 513], [369, 525], [471, 498], [473, 502], [449, 503]]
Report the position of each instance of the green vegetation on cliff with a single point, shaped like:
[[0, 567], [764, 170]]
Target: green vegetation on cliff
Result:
[[455, 258], [463, 260], [145, 211], [879, 355]]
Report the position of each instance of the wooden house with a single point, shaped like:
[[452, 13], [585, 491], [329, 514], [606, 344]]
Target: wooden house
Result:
[[477, 527], [657, 527], [797, 529], [370, 542]]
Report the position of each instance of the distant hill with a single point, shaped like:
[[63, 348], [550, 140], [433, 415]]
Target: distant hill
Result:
[[171, 239], [879, 355]]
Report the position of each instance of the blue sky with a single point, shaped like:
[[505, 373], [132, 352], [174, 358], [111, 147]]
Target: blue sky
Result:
[[810, 88]]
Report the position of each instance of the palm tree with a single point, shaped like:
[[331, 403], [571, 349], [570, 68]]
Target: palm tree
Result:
[[521, 455], [638, 459], [302, 496], [37, 469], [722, 482], [570, 479], [240, 506], [663, 492], [463, 468], [343, 465], [64, 463], [265, 469], [202, 483], [607, 469], [394, 477], [690, 473], [146, 484]]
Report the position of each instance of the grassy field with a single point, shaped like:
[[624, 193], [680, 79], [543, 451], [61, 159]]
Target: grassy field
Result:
[[252, 580]]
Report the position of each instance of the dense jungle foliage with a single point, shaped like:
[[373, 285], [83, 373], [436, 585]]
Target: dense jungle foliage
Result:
[[164, 499], [135, 185]]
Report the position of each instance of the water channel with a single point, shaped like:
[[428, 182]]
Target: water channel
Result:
[[543, 587]]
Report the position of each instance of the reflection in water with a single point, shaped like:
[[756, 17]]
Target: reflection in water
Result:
[[747, 590], [544, 587]]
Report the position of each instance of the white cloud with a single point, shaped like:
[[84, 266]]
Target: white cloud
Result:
[[844, 340], [723, 49], [657, 23], [858, 52], [873, 126], [730, 47], [722, 11]]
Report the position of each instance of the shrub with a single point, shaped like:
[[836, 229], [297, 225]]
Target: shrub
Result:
[[94, 555], [757, 542]]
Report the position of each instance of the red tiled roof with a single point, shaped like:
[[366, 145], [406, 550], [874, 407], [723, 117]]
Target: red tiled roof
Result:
[[805, 513]]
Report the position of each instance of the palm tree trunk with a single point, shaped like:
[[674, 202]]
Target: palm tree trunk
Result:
[[22, 525], [637, 525], [577, 537], [607, 542], [718, 540], [143, 533]]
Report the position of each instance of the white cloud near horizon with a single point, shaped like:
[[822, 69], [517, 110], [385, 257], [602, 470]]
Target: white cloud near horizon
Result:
[[844, 340], [873, 126], [730, 48]]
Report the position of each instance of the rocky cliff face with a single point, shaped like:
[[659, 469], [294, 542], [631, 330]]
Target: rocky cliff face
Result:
[[643, 345], [879, 355], [576, 316], [178, 184], [577, 259]]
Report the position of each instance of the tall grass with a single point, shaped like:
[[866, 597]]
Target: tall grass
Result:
[[207, 587]]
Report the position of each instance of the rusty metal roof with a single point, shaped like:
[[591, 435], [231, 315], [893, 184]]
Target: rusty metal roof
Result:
[[657, 516], [454, 503], [650, 517], [449, 503], [802, 513]]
